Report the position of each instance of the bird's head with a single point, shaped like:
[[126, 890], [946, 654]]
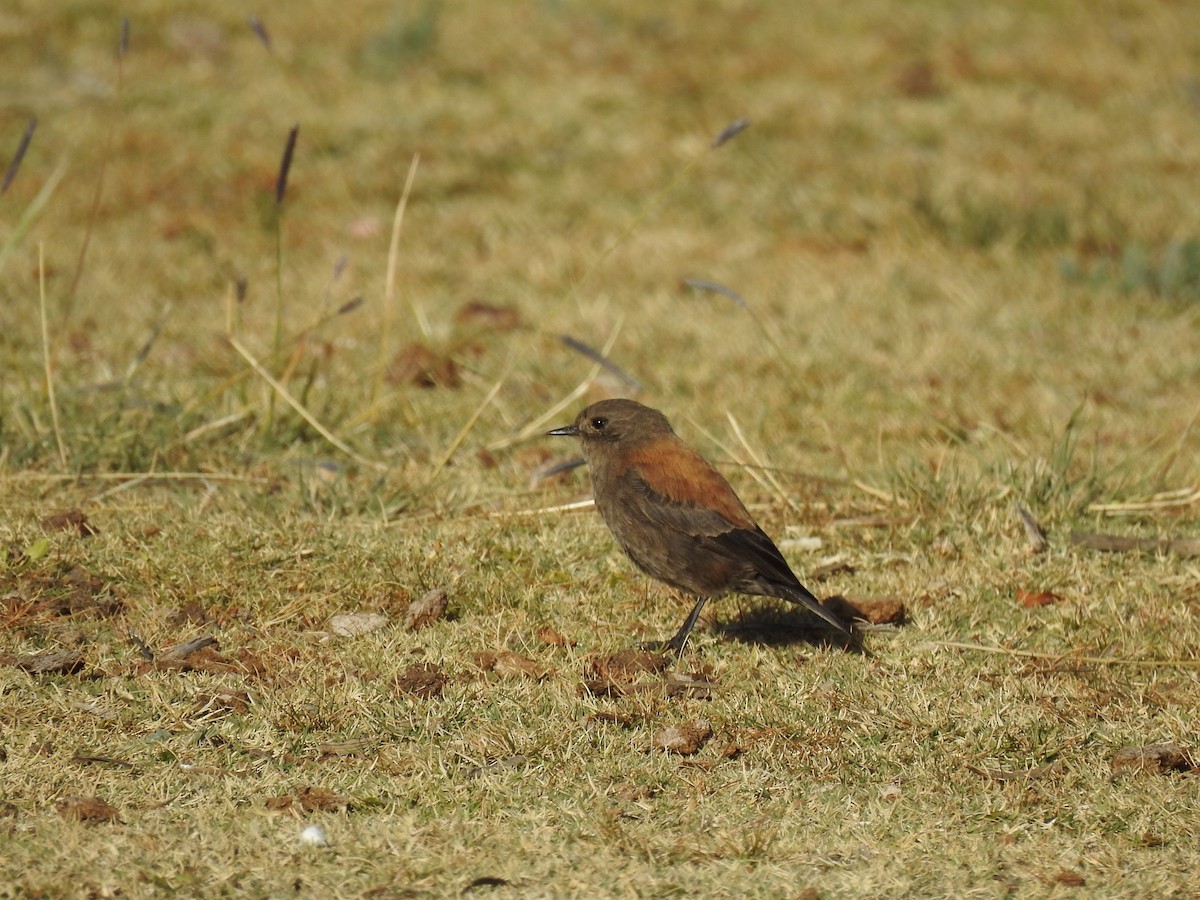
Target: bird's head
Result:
[[624, 422]]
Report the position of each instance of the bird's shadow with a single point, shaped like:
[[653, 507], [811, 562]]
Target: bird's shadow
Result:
[[779, 625]]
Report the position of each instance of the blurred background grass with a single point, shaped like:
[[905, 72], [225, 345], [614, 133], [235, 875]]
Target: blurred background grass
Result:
[[957, 223]]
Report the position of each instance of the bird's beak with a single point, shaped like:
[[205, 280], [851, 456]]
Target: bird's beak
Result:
[[565, 431]]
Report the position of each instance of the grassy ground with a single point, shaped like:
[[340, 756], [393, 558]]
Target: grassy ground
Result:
[[969, 251]]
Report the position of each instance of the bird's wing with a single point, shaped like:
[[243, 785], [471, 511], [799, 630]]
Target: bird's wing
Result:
[[759, 553], [668, 474], [670, 510], [711, 528]]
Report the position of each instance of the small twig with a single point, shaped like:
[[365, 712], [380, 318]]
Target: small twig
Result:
[[299, 408], [1165, 500], [768, 473], [126, 476], [31, 214], [187, 648], [542, 510], [144, 350], [15, 165], [389, 284], [62, 449], [729, 132], [751, 470], [142, 647], [601, 360], [1033, 531], [1114, 543], [109, 139], [465, 430], [536, 426], [1060, 657]]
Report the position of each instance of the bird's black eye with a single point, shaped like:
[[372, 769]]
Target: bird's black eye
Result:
[[599, 422]]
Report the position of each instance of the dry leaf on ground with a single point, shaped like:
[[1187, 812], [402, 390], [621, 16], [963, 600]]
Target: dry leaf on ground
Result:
[[1159, 758], [1033, 599], [357, 623], [422, 680], [70, 520], [319, 799], [54, 662], [488, 315], [548, 635], [87, 809], [427, 610], [508, 664], [684, 739]]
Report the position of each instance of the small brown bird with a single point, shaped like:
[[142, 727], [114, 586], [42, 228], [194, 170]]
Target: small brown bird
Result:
[[676, 516]]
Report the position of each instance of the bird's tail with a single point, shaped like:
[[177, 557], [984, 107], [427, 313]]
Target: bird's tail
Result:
[[801, 596]]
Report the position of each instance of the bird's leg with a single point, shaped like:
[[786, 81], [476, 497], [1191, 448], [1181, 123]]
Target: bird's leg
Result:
[[678, 642]]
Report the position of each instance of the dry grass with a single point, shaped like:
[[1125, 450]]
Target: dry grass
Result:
[[967, 243]]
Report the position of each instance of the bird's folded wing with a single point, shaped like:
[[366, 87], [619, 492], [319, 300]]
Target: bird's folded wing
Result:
[[709, 528]]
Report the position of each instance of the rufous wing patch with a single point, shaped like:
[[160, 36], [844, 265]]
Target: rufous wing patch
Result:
[[671, 468]]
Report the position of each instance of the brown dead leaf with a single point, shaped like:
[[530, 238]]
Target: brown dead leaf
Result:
[[427, 610], [281, 803], [181, 651], [548, 635], [191, 613], [422, 680], [684, 739], [507, 664], [251, 663], [487, 315], [70, 520], [1033, 599], [87, 809], [352, 747], [57, 662], [220, 703], [918, 80], [1114, 543], [356, 623], [319, 799], [678, 684], [209, 660], [627, 665], [604, 687], [1161, 759], [1067, 878], [875, 610], [66, 592], [618, 674], [533, 456], [635, 792], [417, 364], [198, 654]]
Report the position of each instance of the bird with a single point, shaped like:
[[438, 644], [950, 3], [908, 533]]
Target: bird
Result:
[[675, 515]]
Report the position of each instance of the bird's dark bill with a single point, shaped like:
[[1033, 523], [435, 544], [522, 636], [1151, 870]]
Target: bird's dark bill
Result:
[[565, 431]]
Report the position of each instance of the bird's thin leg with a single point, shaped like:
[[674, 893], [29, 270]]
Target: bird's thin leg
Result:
[[678, 642]]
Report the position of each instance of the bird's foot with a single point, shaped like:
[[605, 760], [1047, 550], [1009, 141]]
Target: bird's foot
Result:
[[674, 645]]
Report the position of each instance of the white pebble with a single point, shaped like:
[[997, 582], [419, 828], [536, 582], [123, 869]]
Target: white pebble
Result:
[[314, 836]]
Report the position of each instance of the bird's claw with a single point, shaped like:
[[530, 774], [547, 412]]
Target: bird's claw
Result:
[[672, 646]]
